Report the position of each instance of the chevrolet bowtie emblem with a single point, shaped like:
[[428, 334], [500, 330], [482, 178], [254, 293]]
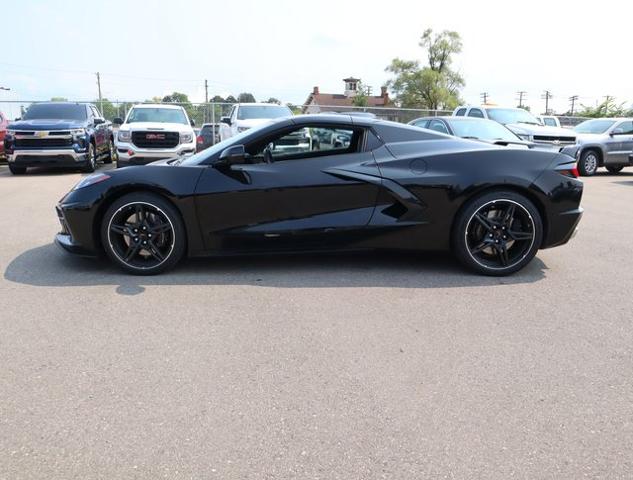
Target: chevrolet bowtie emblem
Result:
[[40, 134]]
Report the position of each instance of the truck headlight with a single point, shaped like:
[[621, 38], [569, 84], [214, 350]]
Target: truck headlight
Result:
[[124, 136], [186, 137], [524, 136]]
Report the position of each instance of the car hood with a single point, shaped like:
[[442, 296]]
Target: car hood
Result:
[[254, 122], [158, 126], [47, 124], [528, 129]]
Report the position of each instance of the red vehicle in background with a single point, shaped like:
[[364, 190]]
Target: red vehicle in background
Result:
[[3, 129]]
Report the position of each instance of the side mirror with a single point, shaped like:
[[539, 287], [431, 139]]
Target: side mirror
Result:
[[226, 120], [192, 122], [232, 155], [617, 131], [99, 121], [117, 121]]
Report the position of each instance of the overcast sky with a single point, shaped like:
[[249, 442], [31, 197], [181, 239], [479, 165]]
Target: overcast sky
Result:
[[283, 48]]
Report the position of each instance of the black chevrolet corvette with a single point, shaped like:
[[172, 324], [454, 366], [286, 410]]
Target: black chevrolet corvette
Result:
[[325, 183]]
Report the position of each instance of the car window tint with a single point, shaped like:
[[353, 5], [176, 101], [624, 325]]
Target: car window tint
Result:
[[438, 126], [626, 127], [461, 112], [421, 123], [475, 112]]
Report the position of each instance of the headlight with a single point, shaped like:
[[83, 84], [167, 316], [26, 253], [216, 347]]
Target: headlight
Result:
[[78, 132], [524, 136], [124, 136], [91, 180], [10, 132], [242, 129], [186, 137]]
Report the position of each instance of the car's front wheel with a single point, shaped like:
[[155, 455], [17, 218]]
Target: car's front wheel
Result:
[[497, 233], [111, 152], [15, 170], [91, 159], [617, 169], [588, 164], [143, 234]]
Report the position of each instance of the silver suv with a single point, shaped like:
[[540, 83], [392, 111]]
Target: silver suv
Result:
[[522, 123], [603, 142]]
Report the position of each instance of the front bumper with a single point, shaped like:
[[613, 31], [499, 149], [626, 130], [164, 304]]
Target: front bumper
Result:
[[66, 239], [129, 154], [66, 242], [66, 157]]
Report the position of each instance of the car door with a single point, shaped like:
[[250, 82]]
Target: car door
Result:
[[311, 196], [619, 143], [100, 137], [626, 140]]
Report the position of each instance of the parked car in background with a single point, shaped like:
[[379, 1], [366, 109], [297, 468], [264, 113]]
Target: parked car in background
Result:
[[521, 122], [548, 120], [153, 132], [248, 115], [473, 129], [3, 128], [603, 142], [59, 134], [209, 135]]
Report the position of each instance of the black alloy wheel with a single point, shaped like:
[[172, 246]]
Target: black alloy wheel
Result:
[[143, 233], [91, 159], [498, 233]]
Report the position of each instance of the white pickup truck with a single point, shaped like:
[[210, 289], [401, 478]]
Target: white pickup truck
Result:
[[153, 132], [248, 115]]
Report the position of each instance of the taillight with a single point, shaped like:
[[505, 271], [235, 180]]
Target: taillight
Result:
[[568, 169], [199, 139]]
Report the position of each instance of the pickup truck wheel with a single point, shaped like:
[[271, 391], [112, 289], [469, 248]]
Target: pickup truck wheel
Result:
[[91, 159], [17, 170], [111, 152], [588, 163], [615, 169]]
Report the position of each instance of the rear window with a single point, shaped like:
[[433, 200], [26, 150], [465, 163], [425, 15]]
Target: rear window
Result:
[[461, 112], [475, 112], [53, 111]]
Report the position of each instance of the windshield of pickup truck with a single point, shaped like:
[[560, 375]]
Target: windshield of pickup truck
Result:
[[483, 130], [594, 126], [511, 115], [157, 115], [55, 111], [262, 111]]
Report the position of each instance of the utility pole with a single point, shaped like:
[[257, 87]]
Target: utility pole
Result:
[[546, 96], [206, 99], [5, 88], [484, 97], [521, 94], [572, 99], [99, 87]]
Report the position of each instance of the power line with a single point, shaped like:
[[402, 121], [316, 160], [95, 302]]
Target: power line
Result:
[[521, 94], [573, 100], [484, 97], [546, 96]]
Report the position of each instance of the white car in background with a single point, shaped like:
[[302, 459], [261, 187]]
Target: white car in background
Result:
[[248, 115], [548, 120], [153, 132]]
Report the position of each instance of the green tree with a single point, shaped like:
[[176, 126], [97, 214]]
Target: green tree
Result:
[[608, 108], [433, 86], [273, 100], [524, 107], [360, 99], [183, 100], [246, 97]]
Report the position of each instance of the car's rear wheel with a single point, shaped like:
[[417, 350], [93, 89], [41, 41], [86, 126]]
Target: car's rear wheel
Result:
[[15, 170], [588, 163], [497, 233], [615, 169], [111, 153], [143, 234], [91, 159]]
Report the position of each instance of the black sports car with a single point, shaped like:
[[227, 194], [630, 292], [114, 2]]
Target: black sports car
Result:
[[390, 186]]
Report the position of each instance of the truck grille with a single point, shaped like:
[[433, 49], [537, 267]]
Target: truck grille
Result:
[[43, 142], [155, 139], [554, 139]]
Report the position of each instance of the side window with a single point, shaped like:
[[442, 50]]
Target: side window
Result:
[[421, 123], [438, 126], [233, 114], [95, 112], [626, 127], [308, 142], [475, 112], [461, 112]]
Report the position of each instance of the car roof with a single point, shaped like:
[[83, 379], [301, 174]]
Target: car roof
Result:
[[260, 104], [450, 118], [156, 105]]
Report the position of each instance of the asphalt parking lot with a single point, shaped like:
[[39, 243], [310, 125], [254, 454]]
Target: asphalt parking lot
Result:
[[330, 367]]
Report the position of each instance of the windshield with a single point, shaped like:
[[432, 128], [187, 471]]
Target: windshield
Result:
[[594, 126], [482, 129], [59, 111], [262, 111], [511, 115], [158, 115]]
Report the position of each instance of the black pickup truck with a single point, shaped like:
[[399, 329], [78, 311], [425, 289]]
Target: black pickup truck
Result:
[[60, 134]]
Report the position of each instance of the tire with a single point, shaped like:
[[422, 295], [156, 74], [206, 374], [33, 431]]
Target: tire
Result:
[[615, 170], [143, 234], [112, 154], [497, 233], [17, 170], [91, 160], [588, 163]]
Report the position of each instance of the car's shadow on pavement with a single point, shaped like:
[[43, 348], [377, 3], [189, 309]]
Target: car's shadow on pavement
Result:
[[50, 267]]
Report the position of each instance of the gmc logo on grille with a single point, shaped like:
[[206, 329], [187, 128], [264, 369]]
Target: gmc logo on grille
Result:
[[155, 136]]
